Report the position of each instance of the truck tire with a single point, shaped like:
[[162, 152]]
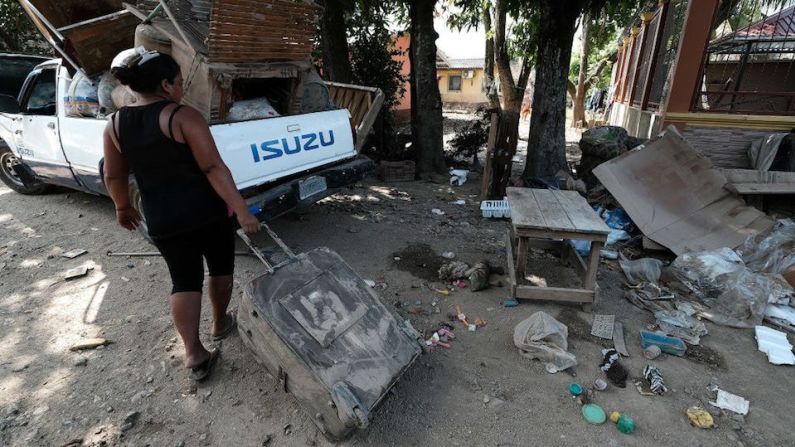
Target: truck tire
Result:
[[12, 180], [135, 201]]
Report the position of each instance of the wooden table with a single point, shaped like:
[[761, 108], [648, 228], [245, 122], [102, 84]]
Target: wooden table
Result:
[[550, 219]]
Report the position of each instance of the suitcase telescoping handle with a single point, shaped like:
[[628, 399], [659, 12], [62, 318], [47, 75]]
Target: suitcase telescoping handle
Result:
[[258, 253]]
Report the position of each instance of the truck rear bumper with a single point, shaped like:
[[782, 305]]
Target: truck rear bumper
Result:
[[286, 196]]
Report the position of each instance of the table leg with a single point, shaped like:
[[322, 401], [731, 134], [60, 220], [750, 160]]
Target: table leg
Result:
[[521, 259], [593, 265]]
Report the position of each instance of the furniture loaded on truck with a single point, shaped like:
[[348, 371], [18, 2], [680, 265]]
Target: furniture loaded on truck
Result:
[[51, 133]]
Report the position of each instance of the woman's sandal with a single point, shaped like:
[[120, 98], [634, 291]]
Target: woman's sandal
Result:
[[231, 324], [203, 370]]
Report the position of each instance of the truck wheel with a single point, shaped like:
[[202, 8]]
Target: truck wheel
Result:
[[135, 200], [12, 180]]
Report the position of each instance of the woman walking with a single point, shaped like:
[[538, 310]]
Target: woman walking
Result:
[[186, 192]]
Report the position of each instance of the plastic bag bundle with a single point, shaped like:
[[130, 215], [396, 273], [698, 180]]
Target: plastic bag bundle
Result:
[[642, 270], [542, 337], [772, 251], [699, 271], [251, 109], [82, 98]]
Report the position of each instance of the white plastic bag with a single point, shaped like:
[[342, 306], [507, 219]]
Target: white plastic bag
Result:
[[542, 337], [251, 109], [82, 98]]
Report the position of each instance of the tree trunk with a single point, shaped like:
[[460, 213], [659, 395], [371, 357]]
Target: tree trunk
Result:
[[334, 44], [426, 102], [507, 136], [488, 65], [578, 118], [546, 154]]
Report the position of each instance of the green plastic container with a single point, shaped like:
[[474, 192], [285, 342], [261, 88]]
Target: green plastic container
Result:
[[625, 425]]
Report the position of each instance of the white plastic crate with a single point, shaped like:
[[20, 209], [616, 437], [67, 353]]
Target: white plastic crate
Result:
[[497, 209]]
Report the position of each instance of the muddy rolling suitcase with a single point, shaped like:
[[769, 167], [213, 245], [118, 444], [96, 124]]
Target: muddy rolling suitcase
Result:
[[317, 327]]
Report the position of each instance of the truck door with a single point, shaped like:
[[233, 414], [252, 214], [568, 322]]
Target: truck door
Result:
[[39, 145]]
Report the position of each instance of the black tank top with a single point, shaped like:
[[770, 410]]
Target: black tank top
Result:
[[176, 195]]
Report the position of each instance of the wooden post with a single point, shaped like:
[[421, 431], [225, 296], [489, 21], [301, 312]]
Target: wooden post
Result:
[[644, 42], [488, 170], [629, 45], [662, 12], [686, 72], [632, 73]]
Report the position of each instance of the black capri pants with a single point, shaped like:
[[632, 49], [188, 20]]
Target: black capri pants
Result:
[[184, 254]]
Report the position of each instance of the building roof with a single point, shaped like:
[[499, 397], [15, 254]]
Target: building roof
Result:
[[768, 35], [468, 64]]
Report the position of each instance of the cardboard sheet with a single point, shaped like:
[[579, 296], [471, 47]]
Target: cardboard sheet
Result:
[[677, 199]]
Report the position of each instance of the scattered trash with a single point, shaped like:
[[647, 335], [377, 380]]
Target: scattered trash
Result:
[[594, 414], [772, 251], [441, 337], [479, 276], [641, 270], [437, 212], [677, 323], [542, 337], [459, 202], [731, 402], [77, 272], [448, 255], [652, 352], [370, 283], [599, 384], [575, 389], [510, 303], [624, 423], [699, 417], [781, 315], [71, 254], [91, 343], [615, 372], [616, 219], [618, 339], [458, 177], [668, 345], [460, 283], [453, 270], [643, 387], [608, 254], [653, 375], [497, 209], [602, 326], [775, 344]]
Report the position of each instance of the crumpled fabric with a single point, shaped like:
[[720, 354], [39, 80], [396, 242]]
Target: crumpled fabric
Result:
[[542, 337]]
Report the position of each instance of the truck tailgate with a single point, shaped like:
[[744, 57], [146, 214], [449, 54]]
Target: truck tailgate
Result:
[[261, 151]]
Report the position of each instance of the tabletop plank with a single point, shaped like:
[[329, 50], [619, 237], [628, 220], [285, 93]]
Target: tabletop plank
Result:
[[581, 214], [541, 210], [524, 209], [555, 214]]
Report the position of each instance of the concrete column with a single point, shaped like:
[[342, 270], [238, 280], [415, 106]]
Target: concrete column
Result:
[[686, 70]]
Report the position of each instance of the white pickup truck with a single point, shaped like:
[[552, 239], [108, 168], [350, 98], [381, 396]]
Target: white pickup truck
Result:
[[278, 163]]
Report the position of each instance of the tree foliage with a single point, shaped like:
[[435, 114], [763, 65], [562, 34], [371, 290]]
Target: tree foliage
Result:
[[17, 33]]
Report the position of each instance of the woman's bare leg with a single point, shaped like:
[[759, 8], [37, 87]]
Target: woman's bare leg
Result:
[[186, 310], [220, 294]]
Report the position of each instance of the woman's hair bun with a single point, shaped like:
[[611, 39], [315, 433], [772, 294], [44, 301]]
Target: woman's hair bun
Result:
[[125, 75]]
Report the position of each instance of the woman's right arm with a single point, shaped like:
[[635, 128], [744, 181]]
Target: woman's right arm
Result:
[[196, 132], [116, 174]]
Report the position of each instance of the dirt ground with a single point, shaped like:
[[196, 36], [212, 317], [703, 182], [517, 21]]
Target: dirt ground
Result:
[[479, 392]]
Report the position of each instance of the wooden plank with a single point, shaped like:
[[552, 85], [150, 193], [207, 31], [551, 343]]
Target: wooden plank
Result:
[[552, 234], [582, 216], [761, 188], [553, 211], [554, 294], [618, 339], [524, 209]]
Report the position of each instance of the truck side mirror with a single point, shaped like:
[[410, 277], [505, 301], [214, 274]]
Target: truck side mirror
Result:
[[8, 104]]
